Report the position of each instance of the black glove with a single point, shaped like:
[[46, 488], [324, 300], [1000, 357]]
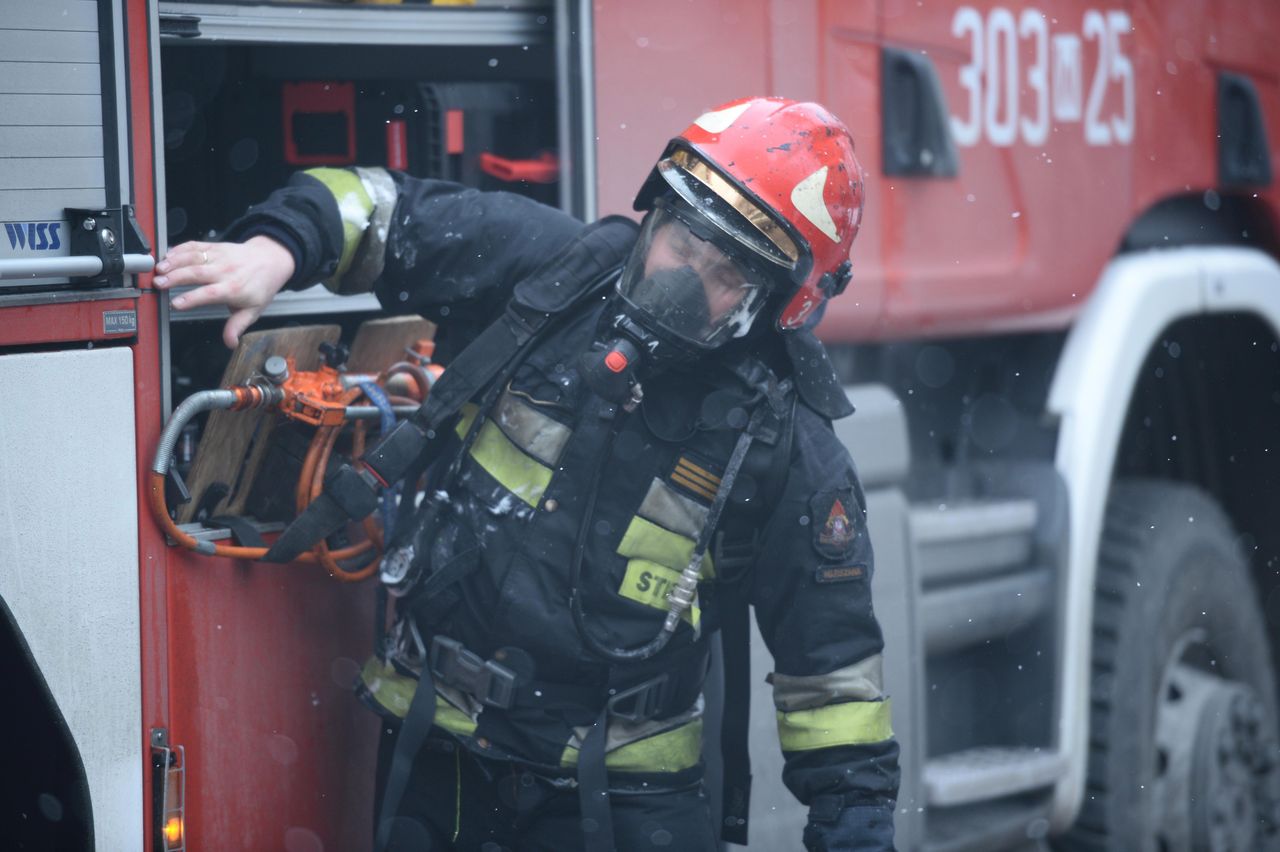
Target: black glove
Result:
[[852, 828]]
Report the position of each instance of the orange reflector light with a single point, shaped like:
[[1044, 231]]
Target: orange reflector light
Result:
[[616, 361], [173, 831]]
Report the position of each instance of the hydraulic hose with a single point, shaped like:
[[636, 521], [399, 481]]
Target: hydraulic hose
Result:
[[421, 376], [254, 396], [329, 559], [681, 597], [197, 403]]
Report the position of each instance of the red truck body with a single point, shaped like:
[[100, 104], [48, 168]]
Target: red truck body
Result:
[[1070, 123], [1016, 240]]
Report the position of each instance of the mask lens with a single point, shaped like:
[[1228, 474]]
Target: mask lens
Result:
[[688, 285]]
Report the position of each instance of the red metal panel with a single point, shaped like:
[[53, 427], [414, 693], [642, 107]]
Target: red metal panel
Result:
[[248, 667], [1018, 237], [280, 754], [1177, 135], [848, 69], [1185, 46], [64, 322], [1053, 168], [658, 66], [1240, 35]]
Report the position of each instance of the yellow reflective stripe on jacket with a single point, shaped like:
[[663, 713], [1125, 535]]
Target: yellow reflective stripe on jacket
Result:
[[851, 723], [649, 583], [518, 472], [522, 475], [468, 417], [672, 510], [862, 681], [646, 540], [533, 431], [670, 751], [354, 206], [452, 719], [394, 692]]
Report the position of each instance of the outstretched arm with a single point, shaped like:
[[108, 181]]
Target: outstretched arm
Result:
[[422, 246]]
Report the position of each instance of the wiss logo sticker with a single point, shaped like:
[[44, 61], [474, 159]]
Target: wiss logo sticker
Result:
[[35, 236]]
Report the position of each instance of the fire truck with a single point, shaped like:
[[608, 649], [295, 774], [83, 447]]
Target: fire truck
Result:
[[1062, 339]]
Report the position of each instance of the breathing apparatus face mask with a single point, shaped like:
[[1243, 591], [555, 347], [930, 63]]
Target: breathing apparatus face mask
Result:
[[688, 283], [685, 291]]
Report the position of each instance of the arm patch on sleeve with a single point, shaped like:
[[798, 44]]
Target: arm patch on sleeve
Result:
[[836, 523]]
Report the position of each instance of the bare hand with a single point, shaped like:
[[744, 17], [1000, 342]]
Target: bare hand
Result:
[[243, 276]]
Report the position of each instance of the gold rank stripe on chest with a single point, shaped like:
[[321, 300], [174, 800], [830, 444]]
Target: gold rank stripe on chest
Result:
[[695, 478]]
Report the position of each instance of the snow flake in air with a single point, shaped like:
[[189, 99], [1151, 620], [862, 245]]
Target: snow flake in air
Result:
[[808, 201]]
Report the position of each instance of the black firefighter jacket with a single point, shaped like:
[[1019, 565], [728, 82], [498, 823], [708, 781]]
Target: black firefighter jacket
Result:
[[454, 255]]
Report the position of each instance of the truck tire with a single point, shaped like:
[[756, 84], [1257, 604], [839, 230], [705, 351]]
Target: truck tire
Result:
[[1182, 728]]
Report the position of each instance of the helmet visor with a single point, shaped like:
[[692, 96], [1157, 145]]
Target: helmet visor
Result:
[[725, 206], [688, 281]]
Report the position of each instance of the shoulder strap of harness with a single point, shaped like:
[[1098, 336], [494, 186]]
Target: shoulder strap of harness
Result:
[[563, 282], [568, 279], [737, 546]]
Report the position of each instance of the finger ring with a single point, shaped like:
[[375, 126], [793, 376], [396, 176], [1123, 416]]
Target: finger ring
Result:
[[205, 255]]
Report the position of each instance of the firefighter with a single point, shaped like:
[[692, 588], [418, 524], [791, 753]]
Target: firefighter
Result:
[[642, 404]]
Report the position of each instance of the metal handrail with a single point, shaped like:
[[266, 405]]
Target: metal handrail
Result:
[[76, 266]]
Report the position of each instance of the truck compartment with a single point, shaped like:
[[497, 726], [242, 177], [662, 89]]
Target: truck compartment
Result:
[[263, 658]]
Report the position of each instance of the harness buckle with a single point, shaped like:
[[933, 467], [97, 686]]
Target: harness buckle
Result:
[[735, 554], [646, 700], [403, 647], [491, 683], [524, 326]]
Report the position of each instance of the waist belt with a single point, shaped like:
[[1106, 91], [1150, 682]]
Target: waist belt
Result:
[[494, 685], [491, 683], [665, 693]]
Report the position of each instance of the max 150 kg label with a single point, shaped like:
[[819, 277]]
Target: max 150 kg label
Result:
[[119, 322]]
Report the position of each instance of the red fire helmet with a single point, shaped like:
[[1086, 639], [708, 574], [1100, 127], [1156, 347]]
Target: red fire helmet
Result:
[[779, 177]]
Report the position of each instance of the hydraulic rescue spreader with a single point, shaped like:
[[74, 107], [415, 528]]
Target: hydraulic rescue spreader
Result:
[[327, 399]]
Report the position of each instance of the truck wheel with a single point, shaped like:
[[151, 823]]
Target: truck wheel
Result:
[[1182, 737]]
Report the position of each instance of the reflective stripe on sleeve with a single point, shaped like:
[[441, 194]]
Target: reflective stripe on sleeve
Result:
[[862, 681], [850, 723], [355, 206], [371, 252]]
